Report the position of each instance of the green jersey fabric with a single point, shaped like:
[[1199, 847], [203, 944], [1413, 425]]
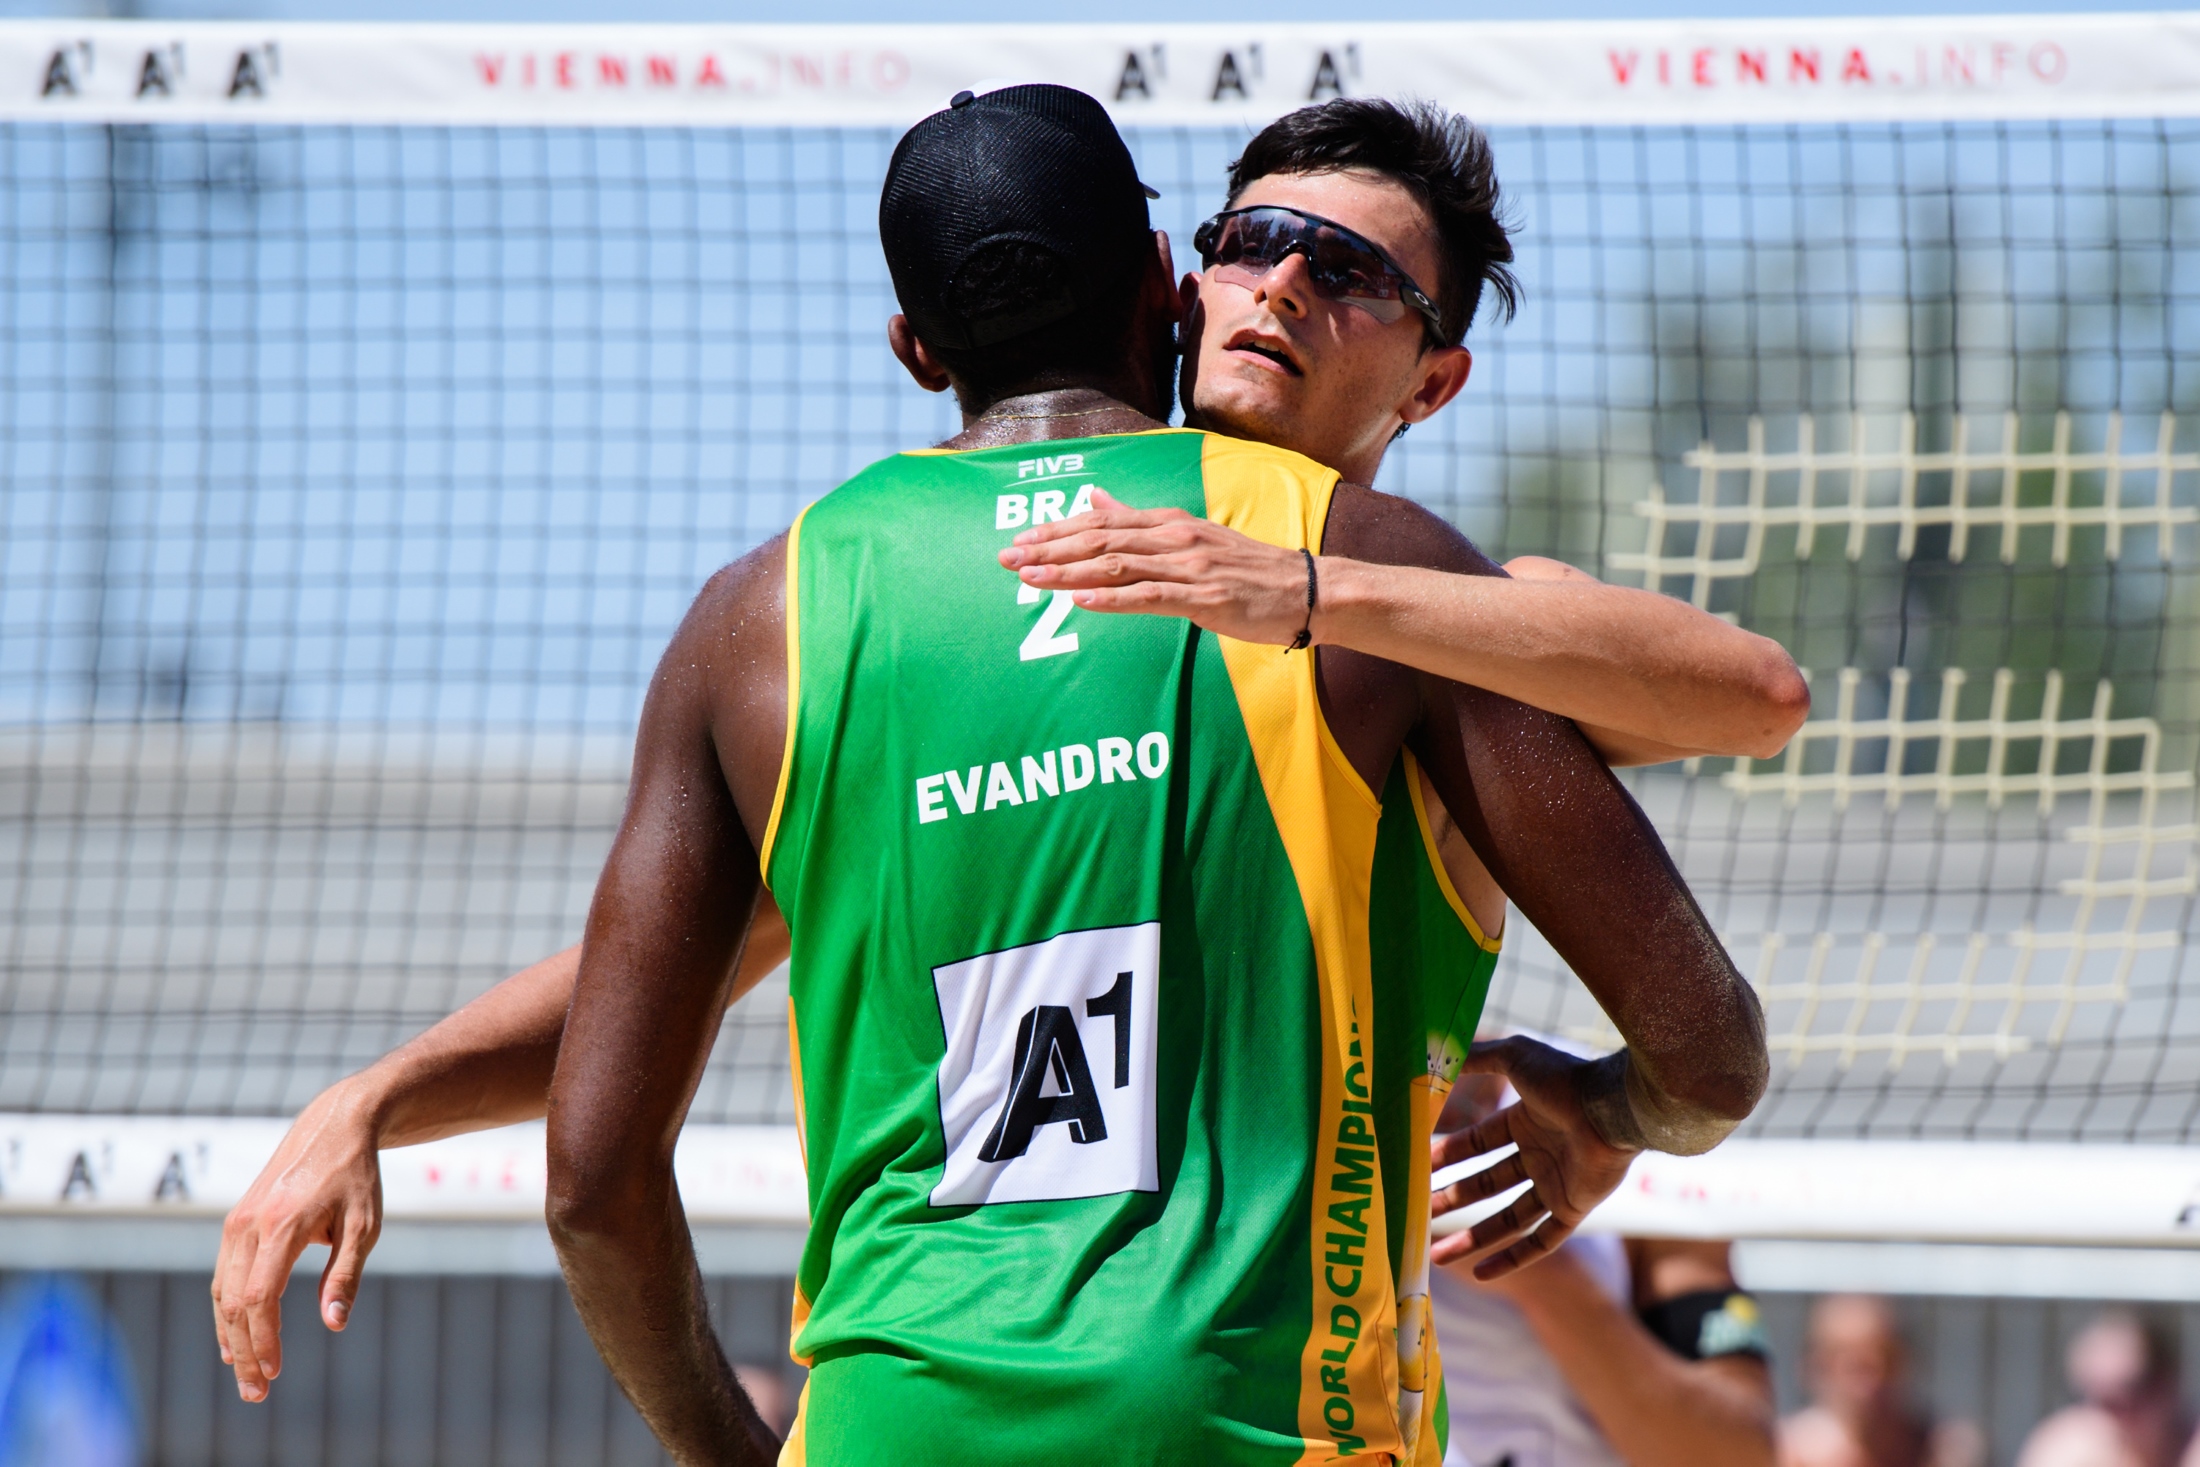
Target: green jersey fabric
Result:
[[1106, 1120]]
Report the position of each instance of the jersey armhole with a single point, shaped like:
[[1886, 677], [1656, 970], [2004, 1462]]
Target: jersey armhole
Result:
[[1436, 856], [792, 582]]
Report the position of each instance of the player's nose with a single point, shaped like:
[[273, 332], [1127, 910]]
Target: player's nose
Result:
[[1288, 289]]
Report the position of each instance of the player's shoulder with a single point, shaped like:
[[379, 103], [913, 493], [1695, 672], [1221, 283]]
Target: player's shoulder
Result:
[[895, 474], [743, 599], [1388, 529]]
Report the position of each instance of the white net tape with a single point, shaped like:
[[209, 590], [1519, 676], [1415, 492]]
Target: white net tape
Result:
[[1857, 488]]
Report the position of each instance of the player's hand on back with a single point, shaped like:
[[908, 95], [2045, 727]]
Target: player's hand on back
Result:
[[1165, 562], [323, 1185], [1571, 1168]]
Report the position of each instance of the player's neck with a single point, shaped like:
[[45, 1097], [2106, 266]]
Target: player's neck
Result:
[[1353, 465], [1064, 412]]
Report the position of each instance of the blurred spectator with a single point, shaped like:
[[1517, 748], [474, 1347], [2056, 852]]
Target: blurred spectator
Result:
[[2124, 1370], [65, 1392], [1860, 1413], [1611, 1351]]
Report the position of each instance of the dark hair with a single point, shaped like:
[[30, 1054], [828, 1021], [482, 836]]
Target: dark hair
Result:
[[1441, 158], [1010, 277]]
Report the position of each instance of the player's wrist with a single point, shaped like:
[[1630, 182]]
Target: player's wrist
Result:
[[1343, 594], [373, 1104]]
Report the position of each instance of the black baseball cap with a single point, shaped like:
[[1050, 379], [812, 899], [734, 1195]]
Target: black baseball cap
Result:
[[1038, 166]]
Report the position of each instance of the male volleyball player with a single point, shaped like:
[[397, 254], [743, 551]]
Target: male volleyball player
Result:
[[1279, 351], [709, 721]]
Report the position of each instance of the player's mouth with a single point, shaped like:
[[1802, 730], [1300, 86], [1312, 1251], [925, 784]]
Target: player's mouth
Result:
[[1266, 349]]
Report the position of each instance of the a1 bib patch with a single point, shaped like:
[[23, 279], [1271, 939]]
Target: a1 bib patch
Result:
[[1047, 1087]]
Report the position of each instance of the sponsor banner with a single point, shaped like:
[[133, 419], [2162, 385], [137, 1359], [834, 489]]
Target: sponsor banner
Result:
[[1976, 1192], [1588, 72], [1924, 1191], [202, 1166]]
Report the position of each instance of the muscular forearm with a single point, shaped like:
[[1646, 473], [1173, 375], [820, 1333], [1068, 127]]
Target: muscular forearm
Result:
[[1656, 1409], [1589, 871], [1648, 677], [625, 1076], [486, 1065], [632, 1271], [489, 1064]]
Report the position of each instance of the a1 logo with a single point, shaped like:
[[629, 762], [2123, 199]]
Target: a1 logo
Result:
[[1047, 1086]]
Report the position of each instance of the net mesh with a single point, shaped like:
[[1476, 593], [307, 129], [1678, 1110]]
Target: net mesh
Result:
[[351, 479]]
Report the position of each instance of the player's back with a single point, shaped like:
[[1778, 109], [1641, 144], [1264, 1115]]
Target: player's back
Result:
[[1080, 964]]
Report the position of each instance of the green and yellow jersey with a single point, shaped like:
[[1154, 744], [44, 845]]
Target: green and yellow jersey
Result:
[[1113, 1105], [1431, 967]]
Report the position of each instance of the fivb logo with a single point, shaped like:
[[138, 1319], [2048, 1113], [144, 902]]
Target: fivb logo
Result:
[[1047, 1086]]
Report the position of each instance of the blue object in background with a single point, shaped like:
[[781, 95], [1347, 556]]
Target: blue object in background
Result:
[[65, 1392]]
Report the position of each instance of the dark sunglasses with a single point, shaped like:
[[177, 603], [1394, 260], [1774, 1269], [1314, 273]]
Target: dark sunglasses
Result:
[[1243, 245]]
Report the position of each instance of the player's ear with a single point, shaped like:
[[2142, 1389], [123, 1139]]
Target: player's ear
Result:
[[1161, 273], [915, 355], [1442, 373], [1159, 308]]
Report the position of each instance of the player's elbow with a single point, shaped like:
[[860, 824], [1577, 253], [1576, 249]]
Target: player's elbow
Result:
[[1780, 698], [596, 1192], [1726, 1093], [1702, 1097]]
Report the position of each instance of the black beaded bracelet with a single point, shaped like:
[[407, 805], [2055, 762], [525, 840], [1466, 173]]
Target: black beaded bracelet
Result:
[[1306, 633]]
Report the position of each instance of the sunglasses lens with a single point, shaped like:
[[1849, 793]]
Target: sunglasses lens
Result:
[[1245, 247], [1346, 269], [1259, 240]]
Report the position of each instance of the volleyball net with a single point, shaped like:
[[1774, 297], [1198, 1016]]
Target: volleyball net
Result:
[[374, 399]]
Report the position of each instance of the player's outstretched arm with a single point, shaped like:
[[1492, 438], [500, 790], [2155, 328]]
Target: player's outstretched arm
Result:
[[1647, 677], [485, 1065], [663, 937], [1566, 843]]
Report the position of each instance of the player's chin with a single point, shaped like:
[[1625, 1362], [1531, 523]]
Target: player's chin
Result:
[[1248, 402]]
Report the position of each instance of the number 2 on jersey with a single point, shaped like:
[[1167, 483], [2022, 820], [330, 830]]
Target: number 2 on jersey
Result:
[[1047, 639]]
